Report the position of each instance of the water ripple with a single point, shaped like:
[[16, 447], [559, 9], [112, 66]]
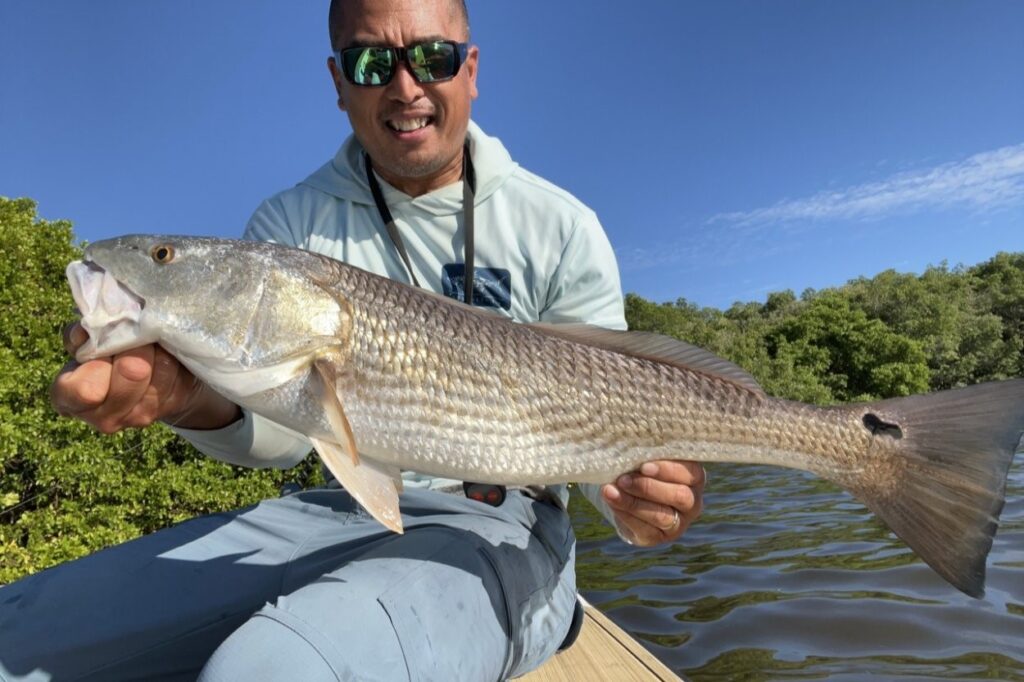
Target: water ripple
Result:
[[787, 577]]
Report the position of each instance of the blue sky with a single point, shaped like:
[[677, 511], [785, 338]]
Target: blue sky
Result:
[[730, 147]]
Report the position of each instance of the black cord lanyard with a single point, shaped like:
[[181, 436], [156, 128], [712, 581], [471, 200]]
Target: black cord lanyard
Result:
[[493, 495], [468, 192]]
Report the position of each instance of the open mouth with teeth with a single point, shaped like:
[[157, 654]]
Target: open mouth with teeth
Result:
[[111, 312], [409, 125]]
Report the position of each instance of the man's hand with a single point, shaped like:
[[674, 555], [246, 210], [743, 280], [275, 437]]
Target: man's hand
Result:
[[134, 389], [657, 503]]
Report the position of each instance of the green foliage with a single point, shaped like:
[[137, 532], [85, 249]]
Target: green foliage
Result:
[[951, 313], [66, 490], [891, 335], [1000, 285], [855, 357]]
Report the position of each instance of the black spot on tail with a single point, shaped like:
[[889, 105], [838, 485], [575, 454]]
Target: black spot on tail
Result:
[[882, 428]]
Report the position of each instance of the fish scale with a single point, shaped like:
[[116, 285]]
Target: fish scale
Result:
[[381, 377], [661, 408]]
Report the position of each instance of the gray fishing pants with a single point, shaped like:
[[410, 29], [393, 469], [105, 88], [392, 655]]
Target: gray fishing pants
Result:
[[306, 587]]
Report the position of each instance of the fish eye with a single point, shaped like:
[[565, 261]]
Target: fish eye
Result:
[[162, 253]]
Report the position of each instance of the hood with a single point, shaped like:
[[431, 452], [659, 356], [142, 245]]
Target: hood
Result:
[[344, 176]]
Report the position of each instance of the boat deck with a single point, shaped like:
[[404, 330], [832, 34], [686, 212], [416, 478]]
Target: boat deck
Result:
[[602, 652]]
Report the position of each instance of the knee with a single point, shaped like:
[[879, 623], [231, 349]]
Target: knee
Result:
[[265, 649], [276, 644]]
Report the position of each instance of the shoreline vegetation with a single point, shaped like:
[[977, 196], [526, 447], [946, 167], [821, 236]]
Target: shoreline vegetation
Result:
[[66, 491]]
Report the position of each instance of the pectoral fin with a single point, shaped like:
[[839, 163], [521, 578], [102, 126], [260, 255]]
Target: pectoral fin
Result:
[[333, 409], [371, 486], [374, 485]]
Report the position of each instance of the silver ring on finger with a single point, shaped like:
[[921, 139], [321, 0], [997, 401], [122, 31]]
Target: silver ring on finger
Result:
[[676, 520]]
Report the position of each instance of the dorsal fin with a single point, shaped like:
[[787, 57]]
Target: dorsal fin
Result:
[[653, 347]]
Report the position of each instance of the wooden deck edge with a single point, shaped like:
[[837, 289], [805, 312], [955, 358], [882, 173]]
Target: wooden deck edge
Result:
[[645, 657], [603, 652]]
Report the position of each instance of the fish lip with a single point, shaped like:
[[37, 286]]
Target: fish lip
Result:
[[95, 320], [93, 266]]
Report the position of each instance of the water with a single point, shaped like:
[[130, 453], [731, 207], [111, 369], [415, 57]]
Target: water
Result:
[[786, 576]]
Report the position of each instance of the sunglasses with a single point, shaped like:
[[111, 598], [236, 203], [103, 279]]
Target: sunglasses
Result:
[[430, 62]]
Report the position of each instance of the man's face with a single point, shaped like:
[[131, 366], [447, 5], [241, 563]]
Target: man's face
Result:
[[412, 131]]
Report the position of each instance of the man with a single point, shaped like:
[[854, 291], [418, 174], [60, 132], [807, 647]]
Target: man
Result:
[[470, 591]]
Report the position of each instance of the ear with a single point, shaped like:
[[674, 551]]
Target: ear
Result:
[[471, 65], [337, 78]]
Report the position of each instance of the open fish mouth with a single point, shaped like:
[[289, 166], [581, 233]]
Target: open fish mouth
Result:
[[111, 312]]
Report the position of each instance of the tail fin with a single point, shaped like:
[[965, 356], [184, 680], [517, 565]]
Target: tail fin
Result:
[[944, 494]]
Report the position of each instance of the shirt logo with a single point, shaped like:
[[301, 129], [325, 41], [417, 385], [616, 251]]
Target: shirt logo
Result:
[[492, 287]]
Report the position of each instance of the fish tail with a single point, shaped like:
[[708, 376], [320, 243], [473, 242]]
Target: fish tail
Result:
[[944, 494]]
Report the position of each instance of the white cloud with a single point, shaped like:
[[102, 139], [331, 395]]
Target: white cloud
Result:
[[981, 183], [985, 181]]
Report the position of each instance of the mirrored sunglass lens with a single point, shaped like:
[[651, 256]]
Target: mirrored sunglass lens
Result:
[[432, 61], [369, 65]]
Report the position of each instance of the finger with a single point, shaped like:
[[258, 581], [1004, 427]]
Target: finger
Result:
[[658, 516], [164, 393], [636, 532], [79, 389], [676, 495], [639, 531], [59, 390], [167, 377], [73, 336], [653, 522], [129, 380], [675, 471]]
